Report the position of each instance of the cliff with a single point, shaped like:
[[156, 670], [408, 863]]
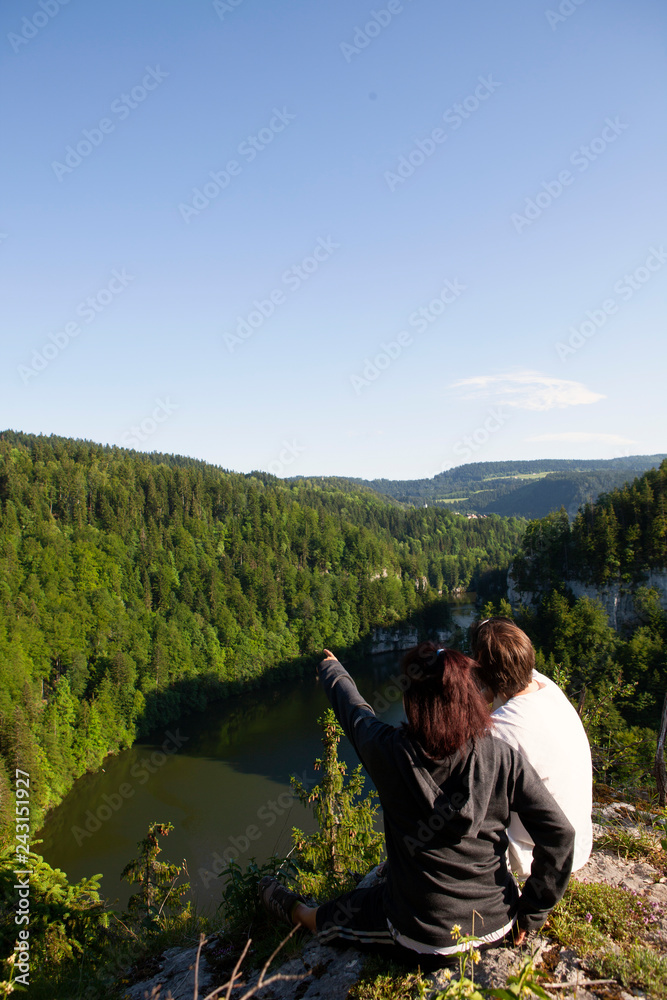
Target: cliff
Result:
[[617, 598], [602, 956]]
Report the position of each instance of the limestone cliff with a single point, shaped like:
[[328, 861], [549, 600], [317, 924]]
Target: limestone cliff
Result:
[[617, 598]]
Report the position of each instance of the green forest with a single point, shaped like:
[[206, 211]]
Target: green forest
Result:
[[137, 587], [619, 538], [529, 489], [618, 677]]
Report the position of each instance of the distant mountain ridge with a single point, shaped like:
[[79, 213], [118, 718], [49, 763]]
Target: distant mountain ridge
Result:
[[612, 552], [529, 489], [515, 488]]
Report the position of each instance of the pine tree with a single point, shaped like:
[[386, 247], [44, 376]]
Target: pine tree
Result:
[[347, 839], [158, 894]]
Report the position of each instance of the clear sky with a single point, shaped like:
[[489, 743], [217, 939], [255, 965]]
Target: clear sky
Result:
[[336, 238]]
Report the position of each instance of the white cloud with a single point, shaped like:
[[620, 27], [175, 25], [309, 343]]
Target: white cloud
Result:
[[527, 390], [583, 437]]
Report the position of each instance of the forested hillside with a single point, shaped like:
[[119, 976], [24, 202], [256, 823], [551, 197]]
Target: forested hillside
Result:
[[620, 675], [519, 488], [621, 537], [135, 587]]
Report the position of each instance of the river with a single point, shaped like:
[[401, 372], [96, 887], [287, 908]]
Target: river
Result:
[[220, 776]]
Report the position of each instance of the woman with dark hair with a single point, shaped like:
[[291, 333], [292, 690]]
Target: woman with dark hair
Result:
[[447, 788]]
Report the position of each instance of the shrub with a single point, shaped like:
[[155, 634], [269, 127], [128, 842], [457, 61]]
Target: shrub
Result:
[[347, 839]]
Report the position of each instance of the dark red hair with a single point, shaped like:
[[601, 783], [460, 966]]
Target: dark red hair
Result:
[[444, 706]]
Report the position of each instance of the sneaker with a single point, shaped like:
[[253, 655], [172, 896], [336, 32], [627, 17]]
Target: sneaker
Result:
[[278, 900]]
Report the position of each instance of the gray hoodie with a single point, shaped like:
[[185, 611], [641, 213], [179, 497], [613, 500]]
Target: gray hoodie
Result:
[[446, 828]]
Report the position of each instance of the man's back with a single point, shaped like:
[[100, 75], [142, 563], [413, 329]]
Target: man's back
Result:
[[545, 727]]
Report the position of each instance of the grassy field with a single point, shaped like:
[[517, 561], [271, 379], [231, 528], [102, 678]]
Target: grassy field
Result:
[[519, 475]]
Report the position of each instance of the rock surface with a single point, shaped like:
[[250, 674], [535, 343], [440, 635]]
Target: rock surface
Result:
[[392, 640], [618, 599], [321, 972], [176, 978]]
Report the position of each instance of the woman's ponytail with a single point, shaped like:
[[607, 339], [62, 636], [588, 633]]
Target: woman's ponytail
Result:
[[443, 703]]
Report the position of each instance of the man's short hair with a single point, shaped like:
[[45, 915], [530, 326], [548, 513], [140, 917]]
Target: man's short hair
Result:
[[505, 655]]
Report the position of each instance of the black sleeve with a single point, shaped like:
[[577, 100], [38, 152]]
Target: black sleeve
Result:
[[359, 722], [553, 853]]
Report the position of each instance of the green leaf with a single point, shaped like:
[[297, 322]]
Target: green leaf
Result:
[[537, 990]]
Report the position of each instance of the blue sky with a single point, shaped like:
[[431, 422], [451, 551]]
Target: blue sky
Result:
[[352, 238]]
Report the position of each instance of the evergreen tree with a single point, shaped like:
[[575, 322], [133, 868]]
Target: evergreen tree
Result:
[[347, 838], [135, 587], [159, 894]]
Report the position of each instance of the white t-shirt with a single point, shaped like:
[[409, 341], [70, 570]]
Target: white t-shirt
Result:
[[546, 729]]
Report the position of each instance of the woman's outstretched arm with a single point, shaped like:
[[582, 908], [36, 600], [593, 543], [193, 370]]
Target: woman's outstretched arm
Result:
[[357, 718]]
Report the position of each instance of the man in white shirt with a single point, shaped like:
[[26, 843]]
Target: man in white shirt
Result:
[[532, 714]]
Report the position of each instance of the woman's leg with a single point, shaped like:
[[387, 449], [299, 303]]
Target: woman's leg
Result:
[[357, 917], [305, 915]]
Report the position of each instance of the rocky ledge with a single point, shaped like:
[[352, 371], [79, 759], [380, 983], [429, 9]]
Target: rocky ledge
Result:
[[323, 973], [618, 599]]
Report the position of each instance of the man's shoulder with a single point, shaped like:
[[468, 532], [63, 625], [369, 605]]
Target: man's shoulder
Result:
[[504, 736], [557, 697], [526, 715], [547, 682], [533, 722]]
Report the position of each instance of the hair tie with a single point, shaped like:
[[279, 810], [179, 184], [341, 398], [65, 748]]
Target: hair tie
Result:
[[432, 666]]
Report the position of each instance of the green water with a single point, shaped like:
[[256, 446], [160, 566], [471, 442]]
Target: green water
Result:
[[225, 775], [223, 782]]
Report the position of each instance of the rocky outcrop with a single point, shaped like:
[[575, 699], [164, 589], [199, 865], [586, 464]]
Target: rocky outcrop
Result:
[[392, 640], [618, 599], [320, 972], [175, 978]]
